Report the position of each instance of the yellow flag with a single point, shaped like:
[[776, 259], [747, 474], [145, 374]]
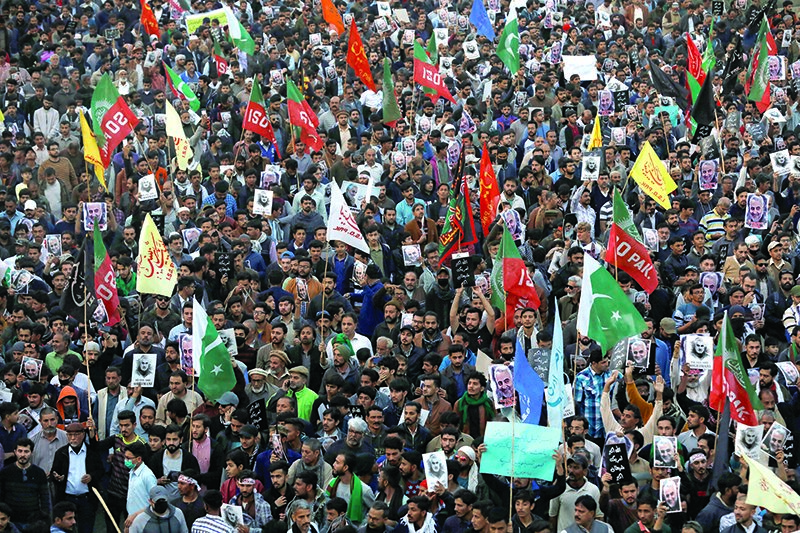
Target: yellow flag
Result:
[[91, 152], [652, 176], [768, 491], [174, 126], [596, 140], [156, 273], [2, 116]]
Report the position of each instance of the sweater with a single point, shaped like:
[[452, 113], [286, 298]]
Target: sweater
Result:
[[28, 496]]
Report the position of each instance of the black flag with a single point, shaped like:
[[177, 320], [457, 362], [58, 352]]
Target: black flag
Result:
[[79, 292], [704, 109], [666, 86], [733, 65]]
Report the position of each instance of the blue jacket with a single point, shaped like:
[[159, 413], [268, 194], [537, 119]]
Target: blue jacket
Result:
[[371, 312]]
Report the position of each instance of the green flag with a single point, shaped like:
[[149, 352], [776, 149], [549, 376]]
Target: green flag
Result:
[[181, 89], [433, 49], [709, 58], [105, 95], [391, 111], [758, 72], [605, 313], [211, 359], [238, 35], [507, 48]]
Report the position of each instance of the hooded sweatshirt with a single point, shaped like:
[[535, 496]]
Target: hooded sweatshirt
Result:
[[79, 415], [150, 522]]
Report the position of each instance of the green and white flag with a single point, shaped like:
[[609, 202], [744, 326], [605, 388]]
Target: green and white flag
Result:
[[508, 46], [181, 89], [239, 36], [210, 357], [605, 313]]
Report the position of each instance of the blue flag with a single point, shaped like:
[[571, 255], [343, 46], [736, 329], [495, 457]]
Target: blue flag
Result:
[[480, 19], [529, 386]]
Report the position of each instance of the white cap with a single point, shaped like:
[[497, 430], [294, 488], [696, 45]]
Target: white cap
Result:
[[30, 204]]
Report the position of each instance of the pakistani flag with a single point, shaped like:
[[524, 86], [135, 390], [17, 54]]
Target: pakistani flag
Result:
[[211, 359], [239, 36], [605, 314], [508, 47], [181, 89], [758, 74]]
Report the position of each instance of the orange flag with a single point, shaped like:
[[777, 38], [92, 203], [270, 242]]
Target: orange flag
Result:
[[148, 19], [357, 58], [332, 16], [490, 191]]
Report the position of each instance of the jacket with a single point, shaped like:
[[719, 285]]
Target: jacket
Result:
[[83, 414], [710, 516], [61, 464], [212, 478], [149, 522], [188, 461]]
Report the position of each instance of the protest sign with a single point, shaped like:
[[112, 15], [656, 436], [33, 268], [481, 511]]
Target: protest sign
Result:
[[533, 449]]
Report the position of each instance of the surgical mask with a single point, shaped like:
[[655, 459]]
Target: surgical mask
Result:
[[161, 506], [444, 283], [240, 341], [63, 382], [129, 464]]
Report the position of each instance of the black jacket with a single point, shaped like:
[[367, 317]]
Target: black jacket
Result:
[[188, 461], [61, 460], [212, 478]]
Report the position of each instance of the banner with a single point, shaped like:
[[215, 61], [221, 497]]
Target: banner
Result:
[[652, 176], [155, 272], [533, 449]]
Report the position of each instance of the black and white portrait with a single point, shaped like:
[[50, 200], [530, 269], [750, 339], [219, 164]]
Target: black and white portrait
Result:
[[31, 368], [399, 160], [639, 352], [698, 351], [262, 202], [435, 469], [412, 255], [618, 135], [670, 494], [442, 35], [143, 373], [748, 441], [471, 50], [228, 338], [502, 380], [190, 238], [650, 239], [755, 215], [232, 514], [606, 105], [147, 188], [315, 39], [708, 174], [664, 451], [276, 77], [781, 162], [95, 213], [591, 167], [775, 439]]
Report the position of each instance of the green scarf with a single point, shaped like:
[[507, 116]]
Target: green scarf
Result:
[[466, 401], [355, 511]]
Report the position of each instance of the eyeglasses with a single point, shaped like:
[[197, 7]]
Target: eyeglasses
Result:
[[571, 287], [762, 264]]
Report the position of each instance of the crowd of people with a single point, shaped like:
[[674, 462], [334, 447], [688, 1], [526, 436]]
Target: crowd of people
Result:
[[352, 365]]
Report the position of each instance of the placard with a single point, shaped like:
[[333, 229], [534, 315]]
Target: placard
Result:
[[147, 188], [95, 212], [664, 450], [412, 255], [228, 338], [748, 441], [143, 373], [223, 264], [775, 439], [534, 447], [31, 368], [617, 463], [698, 351], [258, 414], [639, 352], [435, 469], [670, 494], [539, 359], [591, 167], [262, 202], [232, 515], [463, 274]]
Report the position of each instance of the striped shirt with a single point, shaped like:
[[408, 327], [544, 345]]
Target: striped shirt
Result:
[[713, 225], [211, 524]]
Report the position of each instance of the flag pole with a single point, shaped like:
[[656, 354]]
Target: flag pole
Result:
[[511, 481], [85, 358], [322, 304], [721, 156], [108, 512]]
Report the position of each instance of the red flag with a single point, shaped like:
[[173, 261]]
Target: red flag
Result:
[[626, 251], [105, 282], [148, 19], [510, 278], [256, 118], [730, 382], [332, 16], [694, 61], [302, 116], [490, 191], [357, 58], [428, 75]]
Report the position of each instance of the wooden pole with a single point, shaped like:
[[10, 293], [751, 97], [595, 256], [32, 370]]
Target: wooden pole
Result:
[[322, 304], [108, 512], [86, 330]]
